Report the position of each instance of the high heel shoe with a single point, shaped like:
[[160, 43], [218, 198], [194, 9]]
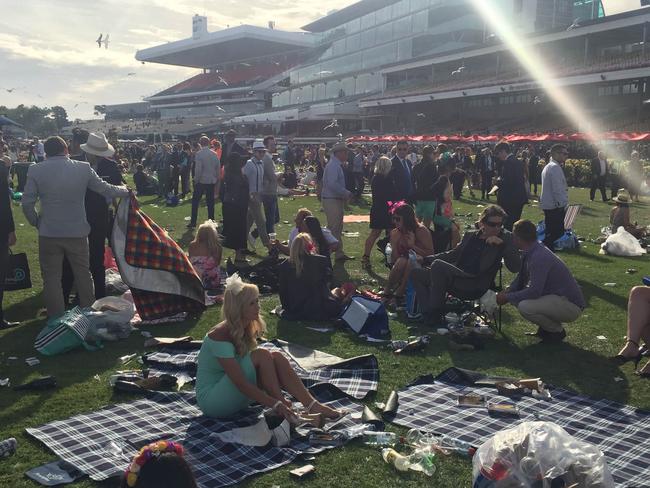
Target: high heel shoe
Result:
[[621, 360], [642, 374]]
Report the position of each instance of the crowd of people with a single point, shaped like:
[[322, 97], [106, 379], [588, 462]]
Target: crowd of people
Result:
[[68, 189]]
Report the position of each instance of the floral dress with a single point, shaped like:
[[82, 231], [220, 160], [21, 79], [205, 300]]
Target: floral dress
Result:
[[207, 270]]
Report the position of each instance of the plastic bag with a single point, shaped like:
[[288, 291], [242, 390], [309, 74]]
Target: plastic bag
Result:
[[535, 455], [111, 318], [622, 244]]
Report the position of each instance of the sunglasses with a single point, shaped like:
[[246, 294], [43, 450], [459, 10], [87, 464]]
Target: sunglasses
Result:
[[493, 224]]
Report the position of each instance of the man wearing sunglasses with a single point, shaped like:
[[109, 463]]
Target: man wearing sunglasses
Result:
[[468, 270], [555, 195], [545, 292], [402, 173]]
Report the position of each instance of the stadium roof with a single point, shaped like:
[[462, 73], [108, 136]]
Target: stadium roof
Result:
[[346, 14], [227, 46]]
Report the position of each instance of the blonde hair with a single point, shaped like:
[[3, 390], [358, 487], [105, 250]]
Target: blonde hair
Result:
[[244, 336], [299, 250], [207, 234], [301, 214], [383, 166]]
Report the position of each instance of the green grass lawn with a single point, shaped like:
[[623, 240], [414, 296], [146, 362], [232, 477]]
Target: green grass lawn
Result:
[[580, 363]]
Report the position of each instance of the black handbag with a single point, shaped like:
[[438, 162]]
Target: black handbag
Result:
[[18, 275]]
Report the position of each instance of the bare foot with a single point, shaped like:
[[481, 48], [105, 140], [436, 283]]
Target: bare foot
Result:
[[325, 411]]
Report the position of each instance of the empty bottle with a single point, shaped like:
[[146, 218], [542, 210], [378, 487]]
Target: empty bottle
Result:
[[457, 446], [423, 460], [383, 439]]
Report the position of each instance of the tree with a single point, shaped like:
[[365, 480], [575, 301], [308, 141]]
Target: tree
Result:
[[60, 117]]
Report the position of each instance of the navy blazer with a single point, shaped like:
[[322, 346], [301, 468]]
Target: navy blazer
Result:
[[6, 216], [402, 181]]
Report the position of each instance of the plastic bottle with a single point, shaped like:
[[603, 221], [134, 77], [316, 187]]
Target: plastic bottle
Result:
[[372, 438], [389, 253], [8, 447], [423, 460], [457, 446], [391, 456]]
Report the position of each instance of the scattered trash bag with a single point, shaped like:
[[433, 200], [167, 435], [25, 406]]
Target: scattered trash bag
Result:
[[539, 455], [569, 240], [114, 283], [65, 333], [111, 318], [622, 243]]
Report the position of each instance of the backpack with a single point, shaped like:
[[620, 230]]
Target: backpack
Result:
[[65, 333]]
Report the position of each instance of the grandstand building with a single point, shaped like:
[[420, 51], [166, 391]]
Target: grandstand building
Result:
[[409, 65]]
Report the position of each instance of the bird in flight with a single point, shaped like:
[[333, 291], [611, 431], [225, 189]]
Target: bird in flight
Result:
[[101, 39], [220, 109], [421, 115], [221, 80], [458, 71], [332, 125], [130, 74]]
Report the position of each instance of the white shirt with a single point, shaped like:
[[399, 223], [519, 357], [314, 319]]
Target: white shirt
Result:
[[254, 171], [206, 167], [603, 167], [40, 150]]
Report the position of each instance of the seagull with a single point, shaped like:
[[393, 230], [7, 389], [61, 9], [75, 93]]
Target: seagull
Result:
[[130, 74], [458, 71], [77, 104], [248, 65], [421, 115], [221, 80], [276, 94], [537, 100], [106, 42], [575, 25], [333, 124], [324, 73], [220, 108], [11, 90], [252, 92], [99, 40]]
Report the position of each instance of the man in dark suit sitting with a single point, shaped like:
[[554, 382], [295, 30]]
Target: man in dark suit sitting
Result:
[[401, 173], [7, 238], [599, 172], [468, 270]]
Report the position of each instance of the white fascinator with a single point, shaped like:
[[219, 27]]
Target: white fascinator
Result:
[[234, 283]]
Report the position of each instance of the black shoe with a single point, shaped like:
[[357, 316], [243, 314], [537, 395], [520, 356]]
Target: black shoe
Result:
[[553, 337], [8, 325], [191, 225]]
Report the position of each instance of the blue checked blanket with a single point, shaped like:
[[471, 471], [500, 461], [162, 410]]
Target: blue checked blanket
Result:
[[102, 443], [621, 432], [356, 377]]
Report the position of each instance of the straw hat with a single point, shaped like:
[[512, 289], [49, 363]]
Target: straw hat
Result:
[[98, 145], [622, 196]]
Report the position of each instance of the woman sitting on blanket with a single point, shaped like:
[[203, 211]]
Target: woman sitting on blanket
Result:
[[232, 372], [407, 236], [302, 226], [620, 215], [304, 284], [205, 255]]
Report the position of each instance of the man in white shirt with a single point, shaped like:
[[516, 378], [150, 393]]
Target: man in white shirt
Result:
[[254, 171], [555, 195], [39, 150], [206, 179]]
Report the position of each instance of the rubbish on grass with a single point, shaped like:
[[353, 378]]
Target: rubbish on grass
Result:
[[8, 447], [321, 329], [187, 219], [442, 331], [601, 338], [12, 358], [32, 361], [128, 358], [611, 285], [350, 234], [412, 345], [303, 471], [631, 270], [618, 378], [5, 382]]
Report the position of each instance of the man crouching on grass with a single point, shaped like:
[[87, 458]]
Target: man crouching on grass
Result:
[[545, 292]]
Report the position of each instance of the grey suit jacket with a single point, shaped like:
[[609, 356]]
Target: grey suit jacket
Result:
[[60, 184], [490, 259]]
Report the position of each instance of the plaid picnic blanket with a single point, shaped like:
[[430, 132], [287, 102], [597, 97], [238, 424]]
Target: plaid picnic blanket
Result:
[[355, 377], [621, 432], [102, 443], [159, 274]]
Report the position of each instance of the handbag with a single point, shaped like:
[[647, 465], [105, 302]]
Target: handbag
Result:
[[367, 317], [65, 333], [18, 275]]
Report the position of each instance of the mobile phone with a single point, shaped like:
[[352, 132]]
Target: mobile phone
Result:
[[471, 400], [325, 439]]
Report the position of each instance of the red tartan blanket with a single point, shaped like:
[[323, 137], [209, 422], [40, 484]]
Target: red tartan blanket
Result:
[[161, 278]]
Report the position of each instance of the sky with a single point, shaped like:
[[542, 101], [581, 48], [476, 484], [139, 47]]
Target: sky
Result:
[[48, 54]]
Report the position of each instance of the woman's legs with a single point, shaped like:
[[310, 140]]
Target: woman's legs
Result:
[[267, 377], [396, 274], [294, 385], [401, 289], [638, 315], [370, 241]]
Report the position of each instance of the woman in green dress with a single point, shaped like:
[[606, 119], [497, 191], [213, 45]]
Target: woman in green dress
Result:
[[232, 373]]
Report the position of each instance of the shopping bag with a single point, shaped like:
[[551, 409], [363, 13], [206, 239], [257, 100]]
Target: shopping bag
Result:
[[366, 317], [65, 333], [18, 276]]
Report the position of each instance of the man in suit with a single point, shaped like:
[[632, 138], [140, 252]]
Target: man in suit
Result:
[[468, 270], [599, 172], [60, 184], [485, 166], [401, 173], [512, 194], [96, 150], [7, 238]]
